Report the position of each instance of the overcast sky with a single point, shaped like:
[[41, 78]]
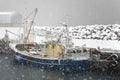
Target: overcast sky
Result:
[[72, 12]]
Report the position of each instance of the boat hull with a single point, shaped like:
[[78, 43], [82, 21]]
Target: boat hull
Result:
[[58, 64]]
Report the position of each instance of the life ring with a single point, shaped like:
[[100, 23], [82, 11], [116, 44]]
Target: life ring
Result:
[[114, 60], [114, 63], [113, 57]]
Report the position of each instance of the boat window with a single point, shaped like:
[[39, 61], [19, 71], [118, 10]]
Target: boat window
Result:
[[41, 45], [84, 50], [78, 51], [39, 49], [70, 51]]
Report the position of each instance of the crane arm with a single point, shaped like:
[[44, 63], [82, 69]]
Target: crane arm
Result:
[[12, 33], [26, 38]]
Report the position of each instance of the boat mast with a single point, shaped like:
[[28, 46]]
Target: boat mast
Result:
[[26, 38], [67, 38]]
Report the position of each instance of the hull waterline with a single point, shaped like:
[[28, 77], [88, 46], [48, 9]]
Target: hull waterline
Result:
[[58, 64]]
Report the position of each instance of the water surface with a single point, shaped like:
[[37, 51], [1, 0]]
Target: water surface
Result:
[[9, 70]]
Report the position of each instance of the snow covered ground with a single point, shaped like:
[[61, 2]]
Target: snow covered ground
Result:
[[103, 36], [102, 44]]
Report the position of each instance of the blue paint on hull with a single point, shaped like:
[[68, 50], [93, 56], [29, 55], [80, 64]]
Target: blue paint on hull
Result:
[[59, 64]]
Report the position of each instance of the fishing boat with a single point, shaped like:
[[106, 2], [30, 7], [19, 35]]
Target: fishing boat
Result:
[[53, 54]]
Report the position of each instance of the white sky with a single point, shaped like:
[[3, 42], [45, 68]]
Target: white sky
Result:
[[73, 12]]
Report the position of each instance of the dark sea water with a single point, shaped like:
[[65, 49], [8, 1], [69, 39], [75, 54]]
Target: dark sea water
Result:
[[9, 70]]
